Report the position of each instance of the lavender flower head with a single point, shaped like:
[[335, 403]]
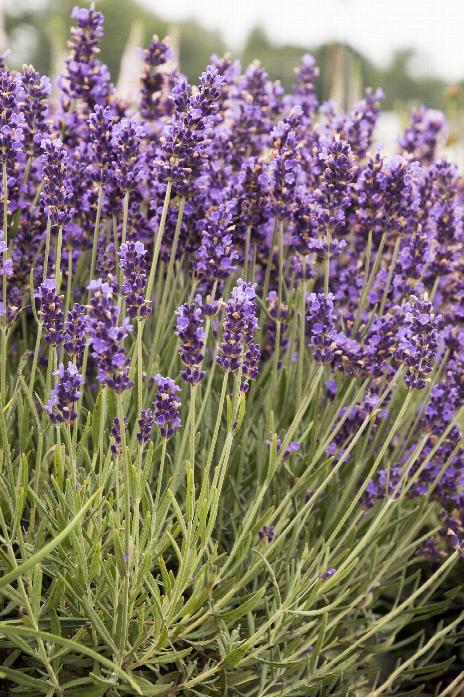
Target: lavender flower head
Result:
[[216, 256], [419, 348], [106, 337], [240, 323], [6, 265], [100, 125], [57, 193], [321, 321], [134, 264], [65, 393], [51, 311], [36, 89], [11, 120], [267, 533], [126, 141], [86, 77], [191, 333], [75, 331], [145, 423], [422, 135], [167, 406], [153, 98], [304, 91]]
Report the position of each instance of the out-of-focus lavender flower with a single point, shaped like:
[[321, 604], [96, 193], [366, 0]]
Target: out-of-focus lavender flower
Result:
[[106, 337], [267, 533], [358, 128], [6, 265], [292, 447], [321, 324], [167, 406], [66, 392], [278, 311], [419, 348], [422, 135], [134, 264], [57, 194], [191, 333], [156, 83], [239, 325], [251, 195], [445, 221], [127, 165], [115, 431], [216, 256], [100, 124], [75, 331], [145, 423], [85, 78], [304, 90], [106, 265], [51, 311], [11, 120], [327, 574], [35, 91]]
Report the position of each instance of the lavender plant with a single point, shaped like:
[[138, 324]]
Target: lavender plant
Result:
[[231, 388]]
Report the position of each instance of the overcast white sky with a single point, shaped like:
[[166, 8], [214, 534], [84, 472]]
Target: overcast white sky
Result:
[[435, 28]]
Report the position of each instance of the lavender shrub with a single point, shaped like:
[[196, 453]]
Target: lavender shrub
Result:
[[274, 521]]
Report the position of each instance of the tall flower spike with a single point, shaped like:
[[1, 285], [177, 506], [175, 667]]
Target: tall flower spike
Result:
[[106, 337], [304, 91], [145, 422], [75, 331], [167, 406], [6, 265], [36, 89], [66, 392], [156, 83], [11, 120], [422, 135], [216, 255], [133, 263], [240, 323], [188, 129], [190, 331], [321, 322], [51, 311], [86, 77], [57, 193], [419, 348], [100, 124], [126, 141]]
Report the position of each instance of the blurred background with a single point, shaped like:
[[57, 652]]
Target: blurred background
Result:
[[413, 49]]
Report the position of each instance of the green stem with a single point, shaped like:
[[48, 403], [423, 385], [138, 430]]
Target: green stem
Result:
[[158, 239]]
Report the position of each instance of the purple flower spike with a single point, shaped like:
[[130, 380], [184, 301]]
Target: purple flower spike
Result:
[[321, 320], [11, 120], [167, 406], [156, 83], [75, 331], [190, 331], [134, 264], [36, 89], [86, 77], [100, 124], [65, 393], [51, 312], [216, 255], [6, 265], [57, 194], [419, 348], [240, 322], [267, 533], [106, 337], [127, 137], [145, 423]]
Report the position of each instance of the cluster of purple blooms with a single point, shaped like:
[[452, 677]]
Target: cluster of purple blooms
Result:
[[285, 188]]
